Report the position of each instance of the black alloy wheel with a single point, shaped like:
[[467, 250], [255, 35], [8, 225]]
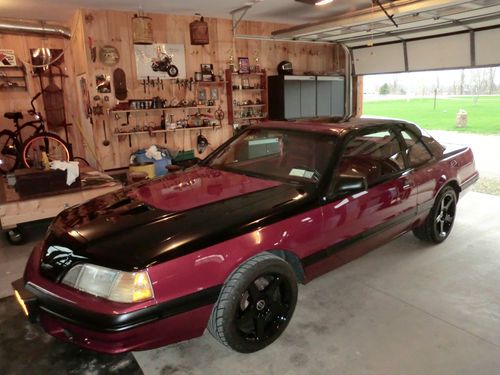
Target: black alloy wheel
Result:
[[255, 305], [264, 308], [445, 215], [437, 226]]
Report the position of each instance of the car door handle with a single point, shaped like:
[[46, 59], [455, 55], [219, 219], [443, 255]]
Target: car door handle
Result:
[[407, 184]]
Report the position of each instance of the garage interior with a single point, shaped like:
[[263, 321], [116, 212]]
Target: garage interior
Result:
[[405, 308]]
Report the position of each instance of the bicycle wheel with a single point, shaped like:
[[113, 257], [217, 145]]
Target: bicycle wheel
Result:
[[9, 151], [52, 144]]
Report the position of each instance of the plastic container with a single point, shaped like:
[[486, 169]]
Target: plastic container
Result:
[[148, 168], [160, 166]]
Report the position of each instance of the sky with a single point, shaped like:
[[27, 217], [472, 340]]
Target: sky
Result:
[[414, 81]]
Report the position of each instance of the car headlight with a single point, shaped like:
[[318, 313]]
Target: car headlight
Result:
[[118, 286]]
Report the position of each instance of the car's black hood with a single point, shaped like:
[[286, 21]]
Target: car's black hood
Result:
[[119, 231]]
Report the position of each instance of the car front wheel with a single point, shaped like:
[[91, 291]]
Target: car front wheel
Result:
[[255, 305], [437, 226]]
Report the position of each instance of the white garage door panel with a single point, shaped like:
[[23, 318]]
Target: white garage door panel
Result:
[[487, 51], [439, 53], [379, 59]]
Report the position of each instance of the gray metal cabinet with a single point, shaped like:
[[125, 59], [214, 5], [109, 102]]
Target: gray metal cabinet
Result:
[[307, 96], [330, 96], [294, 97]]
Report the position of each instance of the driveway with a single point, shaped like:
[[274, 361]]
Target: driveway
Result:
[[486, 150]]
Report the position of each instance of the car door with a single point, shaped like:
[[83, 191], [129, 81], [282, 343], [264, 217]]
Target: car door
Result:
[[425, 172], [356, 223]]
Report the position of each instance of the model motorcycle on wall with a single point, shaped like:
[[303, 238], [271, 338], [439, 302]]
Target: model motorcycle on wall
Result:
[[164, 64]]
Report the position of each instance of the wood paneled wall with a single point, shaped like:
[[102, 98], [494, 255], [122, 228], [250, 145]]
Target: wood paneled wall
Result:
[[19, 100], [114, 28]]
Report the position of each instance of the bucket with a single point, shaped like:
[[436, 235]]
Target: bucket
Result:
[[142, 29]]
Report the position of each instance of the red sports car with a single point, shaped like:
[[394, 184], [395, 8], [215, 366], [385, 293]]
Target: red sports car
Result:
[[223, 244]]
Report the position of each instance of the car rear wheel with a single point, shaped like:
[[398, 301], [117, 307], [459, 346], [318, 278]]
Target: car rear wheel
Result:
[[437, 226], [255, 305]]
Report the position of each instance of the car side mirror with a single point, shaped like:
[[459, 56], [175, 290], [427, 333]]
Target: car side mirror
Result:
[[350, 184]]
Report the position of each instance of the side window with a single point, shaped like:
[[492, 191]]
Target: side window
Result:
[[374, 156], [417, 153]]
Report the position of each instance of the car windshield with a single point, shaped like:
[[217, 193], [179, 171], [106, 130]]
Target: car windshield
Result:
[[279, 154]]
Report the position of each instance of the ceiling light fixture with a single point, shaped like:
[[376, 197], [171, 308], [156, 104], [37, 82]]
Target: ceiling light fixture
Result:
[[323, 2]]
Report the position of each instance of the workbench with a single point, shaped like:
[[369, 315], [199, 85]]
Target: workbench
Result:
[[15, 210]]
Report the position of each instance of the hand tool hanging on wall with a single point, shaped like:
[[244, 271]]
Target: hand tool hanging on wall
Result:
[[219, 115], [144, 84], [149, 85], [106, 141], [93, 50]]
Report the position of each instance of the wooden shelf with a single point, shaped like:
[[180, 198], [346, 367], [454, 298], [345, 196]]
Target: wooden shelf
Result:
[[249, 106], [250, 118], [248, 89], [169, 130], [235, 111], [162, 109], [6, 88], [16, 77], [248, 74], [210, 83]]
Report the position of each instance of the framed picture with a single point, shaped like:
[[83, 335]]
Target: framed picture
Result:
[[208, 77], [103, 83], [202, 95], [207, 68], [244, 65], [214, 93], [164, 61]]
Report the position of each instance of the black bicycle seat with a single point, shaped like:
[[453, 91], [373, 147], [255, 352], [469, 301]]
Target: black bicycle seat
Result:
[[13, 115]]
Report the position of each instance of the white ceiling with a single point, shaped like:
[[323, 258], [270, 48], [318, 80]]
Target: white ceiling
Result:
[[415, 19], [281, 11]]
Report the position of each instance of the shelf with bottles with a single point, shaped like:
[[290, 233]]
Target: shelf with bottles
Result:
[[161, 131], [261, 73], [242, 88], [145, 110]]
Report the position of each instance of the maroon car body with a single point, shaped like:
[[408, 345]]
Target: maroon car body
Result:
[[192, 230]]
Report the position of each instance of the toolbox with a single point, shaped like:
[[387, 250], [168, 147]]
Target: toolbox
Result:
[[32, 182]]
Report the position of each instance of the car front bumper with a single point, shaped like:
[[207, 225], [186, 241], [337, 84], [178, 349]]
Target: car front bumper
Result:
[[146, 328]]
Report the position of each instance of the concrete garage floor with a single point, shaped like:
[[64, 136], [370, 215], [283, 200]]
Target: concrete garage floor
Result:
[[405, 308]]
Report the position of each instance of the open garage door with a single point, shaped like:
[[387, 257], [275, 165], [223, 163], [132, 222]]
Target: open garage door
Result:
[[413, 35]]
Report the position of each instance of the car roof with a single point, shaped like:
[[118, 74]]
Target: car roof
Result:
[[326, 126]]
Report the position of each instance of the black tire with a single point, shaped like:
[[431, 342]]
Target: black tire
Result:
[[54, 145], [255, 305], [9, 151], [14, 236], [172, 71], [437, 226]]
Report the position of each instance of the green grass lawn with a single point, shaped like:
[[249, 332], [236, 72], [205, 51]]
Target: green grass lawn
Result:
[[484, 115]]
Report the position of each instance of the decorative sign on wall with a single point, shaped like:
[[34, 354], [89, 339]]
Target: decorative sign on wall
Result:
[[162, 61], [7, 57], [109, 55]]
